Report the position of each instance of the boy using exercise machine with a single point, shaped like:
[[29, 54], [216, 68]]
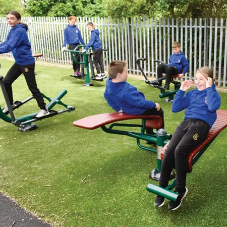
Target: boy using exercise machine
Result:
[[178, 64], [124, 97], [95, 44]]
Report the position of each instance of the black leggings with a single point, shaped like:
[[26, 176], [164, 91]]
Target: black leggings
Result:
[[169, 70], [98, 60], [154, 111], [29, 74], [189, 134]]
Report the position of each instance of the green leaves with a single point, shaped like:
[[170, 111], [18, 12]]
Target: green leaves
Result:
[[119, 8], [5, 7], [62, 8]]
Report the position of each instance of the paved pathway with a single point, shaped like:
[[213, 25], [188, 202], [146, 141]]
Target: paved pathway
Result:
[[12, 215]]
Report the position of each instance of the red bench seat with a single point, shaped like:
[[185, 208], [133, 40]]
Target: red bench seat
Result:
[[99, 120]]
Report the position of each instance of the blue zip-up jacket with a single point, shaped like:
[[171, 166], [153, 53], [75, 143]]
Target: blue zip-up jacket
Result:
[[179, 61], [17, 42], [198, 104], [95, 42], [72, 35], [123, 96]]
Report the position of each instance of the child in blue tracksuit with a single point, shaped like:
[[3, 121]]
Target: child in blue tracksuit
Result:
[[73, 38], [17, 42], [200, 107], [124, 97], [96, 46], [177, 63]]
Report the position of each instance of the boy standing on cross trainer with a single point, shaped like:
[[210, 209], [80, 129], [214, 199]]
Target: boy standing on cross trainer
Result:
[[124, 97]]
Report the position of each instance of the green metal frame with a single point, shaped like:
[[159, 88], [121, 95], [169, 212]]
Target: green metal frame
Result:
[[4, 117], [164, 93], [28, 119], [170, 94], [139, 136], [85, 62]]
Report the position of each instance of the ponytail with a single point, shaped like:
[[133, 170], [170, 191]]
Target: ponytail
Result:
[[23, 24]]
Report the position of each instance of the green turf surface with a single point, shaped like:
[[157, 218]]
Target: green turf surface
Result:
[[74, 177]]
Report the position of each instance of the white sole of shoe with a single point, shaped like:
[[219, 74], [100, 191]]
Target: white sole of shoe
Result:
[[186, 192], [160, 204]]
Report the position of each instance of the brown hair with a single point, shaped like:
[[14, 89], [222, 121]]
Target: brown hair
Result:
[[72, 17], [18, 16], [176, 44], [116, 67], [207, 72], [91, 24]]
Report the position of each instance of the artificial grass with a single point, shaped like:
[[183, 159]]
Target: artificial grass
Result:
[[74, 177]]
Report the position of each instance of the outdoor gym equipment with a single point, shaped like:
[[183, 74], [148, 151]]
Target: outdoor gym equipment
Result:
[[219, 125], [24, 123], [87, 59], [164, 92], [159, 139]]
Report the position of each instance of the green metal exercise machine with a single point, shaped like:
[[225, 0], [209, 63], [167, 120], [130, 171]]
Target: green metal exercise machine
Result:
[[86, 61], [108, 122], [25, 123], [163, 91]]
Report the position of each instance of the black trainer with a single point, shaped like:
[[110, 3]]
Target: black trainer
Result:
[[175, 205], [159, 201]]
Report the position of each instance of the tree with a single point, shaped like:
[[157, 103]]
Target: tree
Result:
[[5, 7], [64, 8], [128, 8], [167, 8], [206, 9]]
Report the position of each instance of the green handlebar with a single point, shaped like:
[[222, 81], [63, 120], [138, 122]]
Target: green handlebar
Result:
[[76, 50]]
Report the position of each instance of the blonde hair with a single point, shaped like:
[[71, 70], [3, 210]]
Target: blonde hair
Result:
[[176, 44], [116, 67], [91, 24], [207, 72]]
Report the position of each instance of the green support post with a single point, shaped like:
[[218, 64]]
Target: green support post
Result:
[[161, 138], [86, 68], [170, 94]]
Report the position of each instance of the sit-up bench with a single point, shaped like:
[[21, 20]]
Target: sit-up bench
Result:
[[218, 126], [110, 119]]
